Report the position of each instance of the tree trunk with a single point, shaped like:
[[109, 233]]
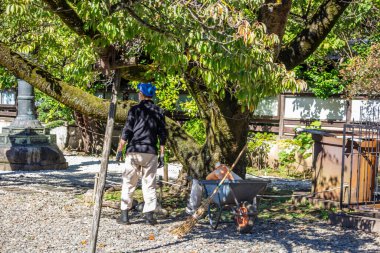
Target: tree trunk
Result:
[[226, 130], [92, 133], [227, 133], [275, 16]]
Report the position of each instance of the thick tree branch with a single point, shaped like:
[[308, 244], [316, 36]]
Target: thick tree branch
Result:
[[69, 95], [135, 72], [275, 16], [69, 16], [308, 40]]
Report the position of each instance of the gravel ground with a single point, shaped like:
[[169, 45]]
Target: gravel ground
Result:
[[278, 184], [41, 212]]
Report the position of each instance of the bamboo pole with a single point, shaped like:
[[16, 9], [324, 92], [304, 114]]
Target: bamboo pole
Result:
[[166, 172], [104, 163]]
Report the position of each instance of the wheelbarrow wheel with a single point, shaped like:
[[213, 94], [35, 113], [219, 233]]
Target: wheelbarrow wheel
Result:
[[214, 213], [244, 217]]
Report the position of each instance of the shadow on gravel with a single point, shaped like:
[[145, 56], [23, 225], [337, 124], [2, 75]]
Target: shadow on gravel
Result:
[[81, 181], [161, 247], [75, 167], [321, 237], [70, 178], [277, 236], [288, 236]]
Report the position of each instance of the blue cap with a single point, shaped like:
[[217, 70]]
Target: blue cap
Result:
[[148, 89]]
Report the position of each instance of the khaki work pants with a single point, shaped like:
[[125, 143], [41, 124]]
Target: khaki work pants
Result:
[[139, 164]]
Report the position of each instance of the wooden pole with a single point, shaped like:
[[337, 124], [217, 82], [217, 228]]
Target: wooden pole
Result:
[[104, 163], [281, 115], [166, 172], [348, 111], [96, 179]]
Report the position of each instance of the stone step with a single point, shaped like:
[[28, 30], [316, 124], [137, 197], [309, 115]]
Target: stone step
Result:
[[369, 222]]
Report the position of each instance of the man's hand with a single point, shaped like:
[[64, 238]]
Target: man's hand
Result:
[[119, 155], [161, 161]]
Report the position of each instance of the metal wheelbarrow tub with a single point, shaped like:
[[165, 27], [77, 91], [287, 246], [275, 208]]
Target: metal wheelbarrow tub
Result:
[[237, 196], [244, 190]]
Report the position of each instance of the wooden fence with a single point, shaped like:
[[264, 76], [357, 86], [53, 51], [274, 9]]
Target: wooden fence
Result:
[[282, 114], [8, 111]]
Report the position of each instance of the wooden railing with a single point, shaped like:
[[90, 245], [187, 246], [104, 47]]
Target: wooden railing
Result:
[[8, 110]]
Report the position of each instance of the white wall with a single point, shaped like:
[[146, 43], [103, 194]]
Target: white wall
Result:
[[61, 136], [304, 107], [315, 108], [370, 110], [267, 107]]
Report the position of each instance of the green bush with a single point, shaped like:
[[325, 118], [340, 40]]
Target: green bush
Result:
[[299, 146], [50, 110], [54, 124], [6, 79], [258, 149]]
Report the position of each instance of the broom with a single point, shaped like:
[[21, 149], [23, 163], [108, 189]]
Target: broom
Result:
[[188, 225]]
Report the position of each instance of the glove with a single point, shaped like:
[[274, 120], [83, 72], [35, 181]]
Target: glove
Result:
[[161, 161], [119, 155]]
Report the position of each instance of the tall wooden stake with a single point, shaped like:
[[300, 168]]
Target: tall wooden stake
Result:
[[166, 173], [104, 163]]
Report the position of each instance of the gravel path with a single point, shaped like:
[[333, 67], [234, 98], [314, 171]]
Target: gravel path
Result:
[[278, 184], [41, 212], [80, 174]]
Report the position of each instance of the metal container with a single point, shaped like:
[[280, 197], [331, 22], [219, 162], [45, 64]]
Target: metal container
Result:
[[359, 170]]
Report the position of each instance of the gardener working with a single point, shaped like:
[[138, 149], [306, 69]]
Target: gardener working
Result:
[[144, 126]]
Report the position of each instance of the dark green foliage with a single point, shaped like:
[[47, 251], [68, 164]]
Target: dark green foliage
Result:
[[258, 148], [56, 123], [299, 146], [6, 80], [49, 109], [322, 79]]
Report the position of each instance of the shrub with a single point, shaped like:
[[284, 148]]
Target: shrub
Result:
[[258, 149], [299, 147]]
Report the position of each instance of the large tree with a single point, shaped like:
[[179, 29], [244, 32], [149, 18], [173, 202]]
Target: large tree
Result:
[[227, 54]]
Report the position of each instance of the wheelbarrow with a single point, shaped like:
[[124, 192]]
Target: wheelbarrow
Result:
[[239, 197]]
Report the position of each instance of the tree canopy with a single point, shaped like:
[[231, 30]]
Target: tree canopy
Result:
[[218, 42], [227, 54]]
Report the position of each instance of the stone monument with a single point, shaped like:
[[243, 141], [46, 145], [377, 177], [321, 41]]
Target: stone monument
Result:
[[25, 144]]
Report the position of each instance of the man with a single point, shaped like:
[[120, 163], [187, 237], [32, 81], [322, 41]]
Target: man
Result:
[[145, 125], [218, 173]]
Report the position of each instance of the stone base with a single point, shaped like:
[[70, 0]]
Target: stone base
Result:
[[304, 197], [369, 222], [41, 157]]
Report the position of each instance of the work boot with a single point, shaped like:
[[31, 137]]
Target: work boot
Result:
[[149, 218], [124, 218]]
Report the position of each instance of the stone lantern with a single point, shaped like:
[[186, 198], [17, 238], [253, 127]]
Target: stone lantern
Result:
[[25, 144]]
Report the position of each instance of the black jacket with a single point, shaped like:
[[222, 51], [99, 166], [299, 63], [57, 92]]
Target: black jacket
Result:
[[144, 126]]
